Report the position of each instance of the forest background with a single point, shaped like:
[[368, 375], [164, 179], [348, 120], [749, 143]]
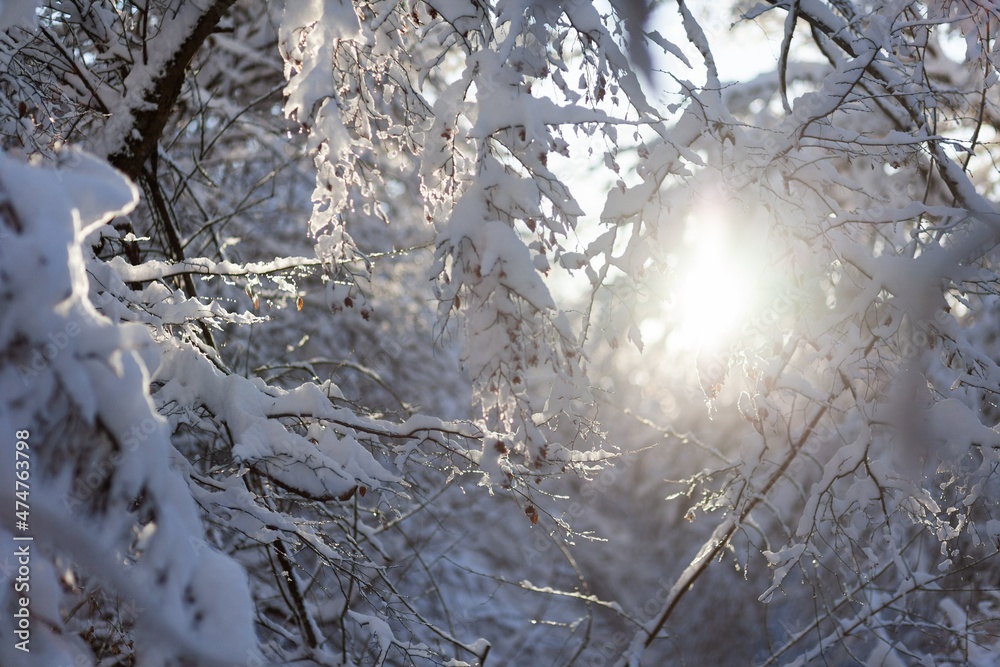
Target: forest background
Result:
[[507, 332]]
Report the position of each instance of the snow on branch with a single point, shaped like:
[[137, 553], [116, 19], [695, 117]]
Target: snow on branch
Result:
[[78, 384]]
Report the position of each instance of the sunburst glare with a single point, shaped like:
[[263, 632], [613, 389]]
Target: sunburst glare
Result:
[[718, 282]]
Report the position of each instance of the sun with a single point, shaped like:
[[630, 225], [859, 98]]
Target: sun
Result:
[[717, 284]]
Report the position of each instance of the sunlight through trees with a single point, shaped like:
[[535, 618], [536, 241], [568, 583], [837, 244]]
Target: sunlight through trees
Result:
[[470, 332]]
